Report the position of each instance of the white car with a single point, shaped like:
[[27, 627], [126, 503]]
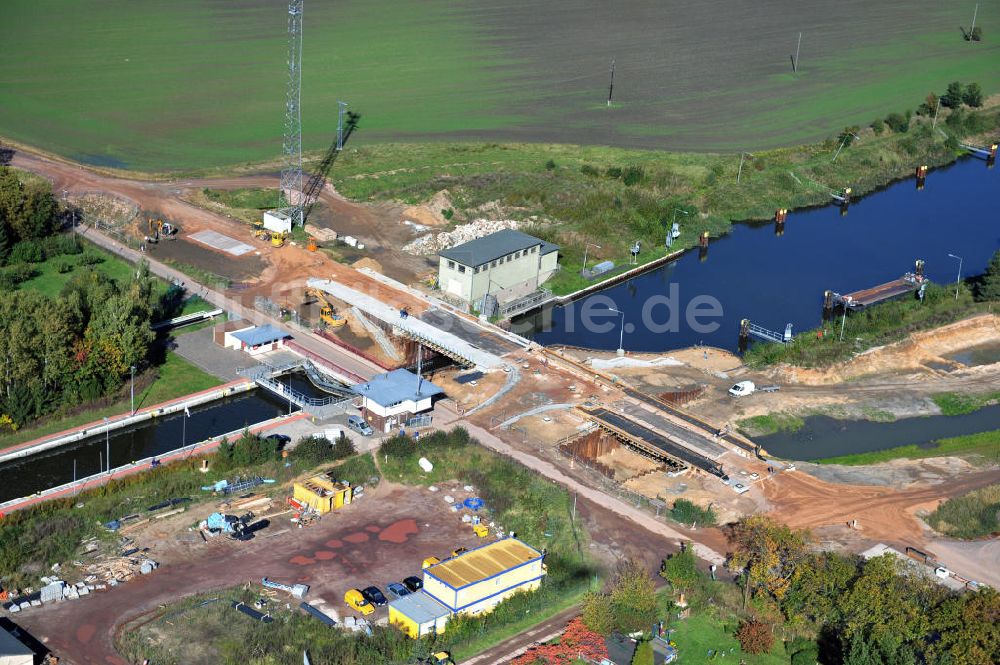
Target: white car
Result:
[[742, 389]]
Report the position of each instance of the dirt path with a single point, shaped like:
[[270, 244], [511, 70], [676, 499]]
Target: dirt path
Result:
[[883, 514]]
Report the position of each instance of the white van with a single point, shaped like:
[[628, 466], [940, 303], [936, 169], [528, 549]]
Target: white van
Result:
[[742, 389]]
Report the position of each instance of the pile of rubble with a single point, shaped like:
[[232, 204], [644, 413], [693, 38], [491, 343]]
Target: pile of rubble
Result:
[[433, 243]]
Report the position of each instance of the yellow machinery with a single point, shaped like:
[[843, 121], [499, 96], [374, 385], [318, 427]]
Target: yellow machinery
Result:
[[321, 494], [327, 314], [158, 228], [430, 561], [278, 239], [481, 530], [260, 232]]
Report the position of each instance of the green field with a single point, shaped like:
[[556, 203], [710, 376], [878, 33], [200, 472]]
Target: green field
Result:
[[195, 84]]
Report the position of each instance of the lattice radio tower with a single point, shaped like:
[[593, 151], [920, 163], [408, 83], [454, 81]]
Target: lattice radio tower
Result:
[[291, 171]]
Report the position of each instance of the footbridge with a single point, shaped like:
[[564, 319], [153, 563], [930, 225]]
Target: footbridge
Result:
[[265, 376], [444, 341]]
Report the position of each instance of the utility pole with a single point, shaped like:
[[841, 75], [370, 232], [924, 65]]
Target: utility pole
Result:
[[795, 63], [341, 106], [974, 15], [739, 173], [958, 281], [132, 369], [611, 87], [843, 323], [291, 147], [936, 109]]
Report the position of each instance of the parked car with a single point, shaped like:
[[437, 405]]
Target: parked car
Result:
[[742, 389], [397, 589], [413, 583], [360, 425], [281, 439], [374, 596], [356, 601]]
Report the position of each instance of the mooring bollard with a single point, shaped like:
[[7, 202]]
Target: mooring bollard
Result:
[[918, 269], [780, 215], [703, 239], [827, 301], [993, 151]]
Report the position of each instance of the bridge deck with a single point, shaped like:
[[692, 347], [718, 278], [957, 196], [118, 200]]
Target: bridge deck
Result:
[[650, 442], [877, 294]]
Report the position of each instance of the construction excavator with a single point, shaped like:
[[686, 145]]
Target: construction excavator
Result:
[[159, 229], [327, 314]]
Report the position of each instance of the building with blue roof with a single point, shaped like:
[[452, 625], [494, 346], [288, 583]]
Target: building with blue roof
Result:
[[391, 399], [256, 339]]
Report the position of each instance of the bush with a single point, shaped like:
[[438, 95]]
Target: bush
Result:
[[687, 512], [26, 251], [60, 245], [897, 122], [973, 95], [587, 169], [755, 637], [550, 165], [344, 448], [952, 99], [633, 175], [63, 266], [11, 276], [312, 450], [613, 172], [878, 126], [448, 213], [91, 259]]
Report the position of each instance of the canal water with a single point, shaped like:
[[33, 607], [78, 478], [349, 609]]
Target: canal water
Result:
[[153, 437], [772, 280], [822, 436]]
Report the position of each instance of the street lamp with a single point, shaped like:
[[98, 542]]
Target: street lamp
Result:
[[673, 221], [621, 337], [132, 370], [107, 443], [585, 248], [958, 282]]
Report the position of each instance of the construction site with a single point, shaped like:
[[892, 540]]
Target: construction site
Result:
[[316, 305]]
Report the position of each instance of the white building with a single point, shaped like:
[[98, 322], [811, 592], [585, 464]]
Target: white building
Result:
[[391, 399], [256, 340], [506, 265]]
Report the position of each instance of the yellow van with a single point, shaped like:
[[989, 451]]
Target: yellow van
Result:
[[356, 601]]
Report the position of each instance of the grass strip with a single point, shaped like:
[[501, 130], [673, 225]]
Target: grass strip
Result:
[[982, 445]]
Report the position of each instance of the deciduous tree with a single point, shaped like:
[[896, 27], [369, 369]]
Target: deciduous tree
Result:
[[767, 553]]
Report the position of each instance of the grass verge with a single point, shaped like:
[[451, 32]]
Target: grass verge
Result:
[[983, 446], [957, 404], [972, 515], [176, 377], [770, 423]]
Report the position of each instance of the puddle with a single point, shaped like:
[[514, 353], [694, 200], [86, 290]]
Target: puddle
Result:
[[983, 354]]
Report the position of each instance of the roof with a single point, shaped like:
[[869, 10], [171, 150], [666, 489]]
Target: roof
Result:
[[11, 646], [419, 607], [261, 335], [396, 386], [621, 649], [492, 247], [483, 562]]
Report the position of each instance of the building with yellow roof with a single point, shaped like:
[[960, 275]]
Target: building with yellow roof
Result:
[[477, 580]]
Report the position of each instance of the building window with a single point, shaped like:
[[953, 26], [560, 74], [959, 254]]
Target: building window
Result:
[[475, 271], [461, 269], [493, 265], [451, 264], [534, 249]]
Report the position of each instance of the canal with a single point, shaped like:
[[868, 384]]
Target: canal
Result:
[[822, 436], [776, 279], [54, 467]]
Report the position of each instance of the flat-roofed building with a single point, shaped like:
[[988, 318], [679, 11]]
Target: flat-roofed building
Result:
[[417, 614], [322, 494], [506, 265], [477, 580]]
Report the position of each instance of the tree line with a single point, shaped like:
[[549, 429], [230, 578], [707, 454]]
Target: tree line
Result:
[[842, 608], [76, 347]]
